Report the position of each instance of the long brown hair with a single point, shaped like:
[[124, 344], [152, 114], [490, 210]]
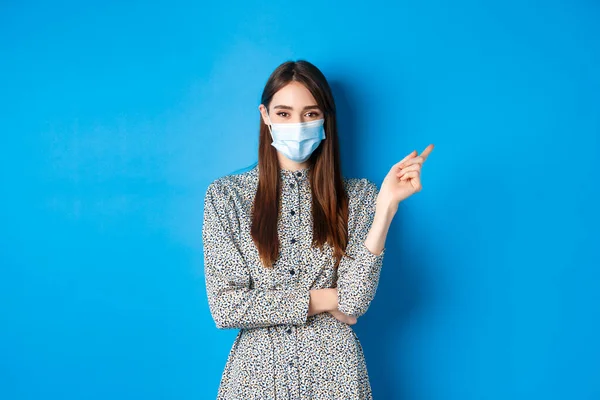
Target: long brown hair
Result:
[[329, 198]]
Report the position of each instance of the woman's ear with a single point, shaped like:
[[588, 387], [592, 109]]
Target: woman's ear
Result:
[[263, 113]]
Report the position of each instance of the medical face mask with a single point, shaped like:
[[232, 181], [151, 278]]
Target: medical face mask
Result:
[[297, 140]]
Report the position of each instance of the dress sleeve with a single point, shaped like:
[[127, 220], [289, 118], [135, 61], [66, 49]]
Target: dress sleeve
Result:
[[358, 279], [232, 300]]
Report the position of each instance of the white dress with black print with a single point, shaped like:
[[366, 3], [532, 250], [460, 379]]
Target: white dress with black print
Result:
[[279, 351]]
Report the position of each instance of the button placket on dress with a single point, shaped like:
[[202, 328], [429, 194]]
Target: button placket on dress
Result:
[[290, 349]]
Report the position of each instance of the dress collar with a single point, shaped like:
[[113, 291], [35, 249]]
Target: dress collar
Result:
[[299, 175]]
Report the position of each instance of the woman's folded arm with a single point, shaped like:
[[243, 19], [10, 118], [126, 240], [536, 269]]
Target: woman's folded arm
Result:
[[232, 300]]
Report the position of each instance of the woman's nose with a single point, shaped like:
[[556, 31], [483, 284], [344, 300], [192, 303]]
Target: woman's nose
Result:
[[299, 118]]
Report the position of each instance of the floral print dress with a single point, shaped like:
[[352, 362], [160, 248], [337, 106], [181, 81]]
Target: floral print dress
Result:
[[279, 351]]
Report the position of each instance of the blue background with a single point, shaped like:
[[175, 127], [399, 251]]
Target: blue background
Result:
[[115, 117]]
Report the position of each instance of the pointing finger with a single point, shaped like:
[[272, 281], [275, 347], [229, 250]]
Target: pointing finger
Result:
[[426, 152]]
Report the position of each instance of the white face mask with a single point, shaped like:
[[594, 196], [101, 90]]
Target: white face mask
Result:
[[297, 141]]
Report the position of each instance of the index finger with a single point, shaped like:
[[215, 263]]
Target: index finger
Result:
[[426, 152]]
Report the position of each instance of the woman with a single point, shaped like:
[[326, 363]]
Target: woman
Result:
[[293, 251]]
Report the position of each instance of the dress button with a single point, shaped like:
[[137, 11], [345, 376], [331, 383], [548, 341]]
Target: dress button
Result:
[[291, 363], [292, 212], [298, 173], [293, 241], [292, 184], [289, 330], [292, 272]]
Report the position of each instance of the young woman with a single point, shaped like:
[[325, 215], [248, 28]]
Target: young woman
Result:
[[293, 250]]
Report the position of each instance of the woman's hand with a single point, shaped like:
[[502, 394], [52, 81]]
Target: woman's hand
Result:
[[340, 316], [403, 179], [325, 300]]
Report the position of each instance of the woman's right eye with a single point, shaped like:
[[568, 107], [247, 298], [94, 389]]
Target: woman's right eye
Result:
[[282, 112]]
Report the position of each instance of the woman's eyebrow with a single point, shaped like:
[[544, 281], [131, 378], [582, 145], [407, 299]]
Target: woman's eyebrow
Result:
[[291, 108]]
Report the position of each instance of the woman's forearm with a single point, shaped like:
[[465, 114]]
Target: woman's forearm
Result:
[[377, 235], [322, 300]]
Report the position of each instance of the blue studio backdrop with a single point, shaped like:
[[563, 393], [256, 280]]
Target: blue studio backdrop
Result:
[[115, 116]]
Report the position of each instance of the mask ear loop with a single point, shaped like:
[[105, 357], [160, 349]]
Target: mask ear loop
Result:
[[270, 123]]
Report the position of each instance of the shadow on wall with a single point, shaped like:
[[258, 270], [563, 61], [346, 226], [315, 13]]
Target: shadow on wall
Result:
[[244, 169]]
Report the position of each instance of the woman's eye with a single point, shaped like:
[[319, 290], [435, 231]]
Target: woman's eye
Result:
[[314, 114], [283, 116]]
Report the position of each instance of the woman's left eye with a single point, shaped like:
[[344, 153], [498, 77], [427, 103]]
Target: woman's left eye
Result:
[[314, 114]]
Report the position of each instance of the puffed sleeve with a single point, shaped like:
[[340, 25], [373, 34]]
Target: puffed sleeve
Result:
[[232, 300], [358, 279]]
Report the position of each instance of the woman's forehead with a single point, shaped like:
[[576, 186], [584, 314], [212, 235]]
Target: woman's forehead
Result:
[[294, 95]]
